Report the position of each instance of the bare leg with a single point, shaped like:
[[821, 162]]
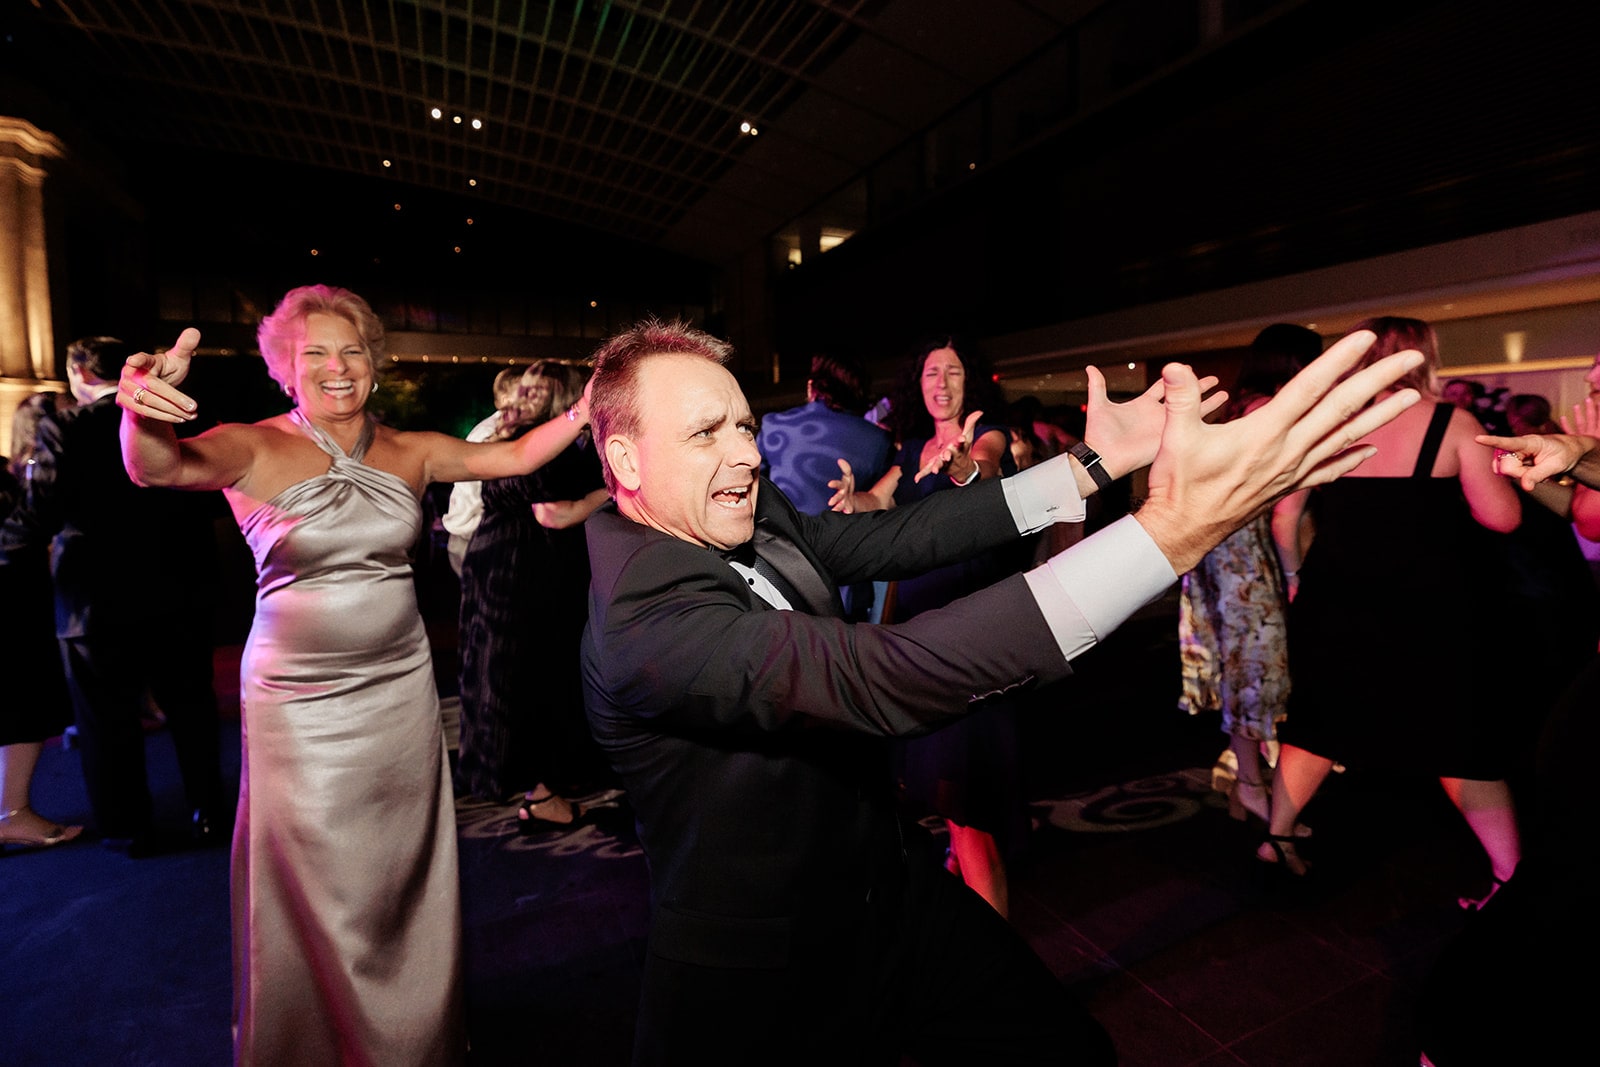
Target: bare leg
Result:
[[1249, 794], [1488, 809], [1300, 774], [978, 858], [25, 827]]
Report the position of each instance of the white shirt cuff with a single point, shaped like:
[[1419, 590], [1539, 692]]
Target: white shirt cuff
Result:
[[1044, 494], [1096, 585]]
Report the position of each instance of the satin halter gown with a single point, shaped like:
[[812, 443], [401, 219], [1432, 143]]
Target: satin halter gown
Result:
[[346, 912]]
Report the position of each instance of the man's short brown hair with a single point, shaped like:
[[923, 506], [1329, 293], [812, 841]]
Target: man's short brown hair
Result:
[[614, 402]]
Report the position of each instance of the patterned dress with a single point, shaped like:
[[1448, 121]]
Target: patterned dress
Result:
[[1232, 635]]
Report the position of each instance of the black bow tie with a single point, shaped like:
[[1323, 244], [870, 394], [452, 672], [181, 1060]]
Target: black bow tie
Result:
[[746, 555]]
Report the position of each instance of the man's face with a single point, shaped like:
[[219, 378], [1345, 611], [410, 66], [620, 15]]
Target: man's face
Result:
[[692, 470]]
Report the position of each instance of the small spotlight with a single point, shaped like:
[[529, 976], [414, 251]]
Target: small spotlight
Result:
[[472, 182], [469, 222], [436, 113], [477, 124], [458, 250], [594, 303], [397, 207], [972, 166], [744, 127], [455, 359], [456, 119], [314, 252], [1131, 366], [387, 163]]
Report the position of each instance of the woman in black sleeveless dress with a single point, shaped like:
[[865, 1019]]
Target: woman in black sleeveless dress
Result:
[[1402, 572]]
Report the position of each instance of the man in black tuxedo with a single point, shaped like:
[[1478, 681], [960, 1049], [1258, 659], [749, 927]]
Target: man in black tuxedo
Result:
[[125, 619], [791, 920]]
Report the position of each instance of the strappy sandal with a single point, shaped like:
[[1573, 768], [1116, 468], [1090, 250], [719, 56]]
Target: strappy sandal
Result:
[[530, 823], [54, 834], [1479, 903], [1279, 849]]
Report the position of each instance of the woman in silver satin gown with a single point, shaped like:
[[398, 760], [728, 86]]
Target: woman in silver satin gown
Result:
[[346, 918]]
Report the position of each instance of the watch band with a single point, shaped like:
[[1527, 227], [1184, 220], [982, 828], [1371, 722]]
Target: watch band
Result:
[[1091, 463]]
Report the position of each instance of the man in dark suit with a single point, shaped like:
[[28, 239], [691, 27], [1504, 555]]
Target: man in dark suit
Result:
[[791, 920], [123, 625]]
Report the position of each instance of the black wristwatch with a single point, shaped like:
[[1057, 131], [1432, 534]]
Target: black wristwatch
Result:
[[1091, 463]]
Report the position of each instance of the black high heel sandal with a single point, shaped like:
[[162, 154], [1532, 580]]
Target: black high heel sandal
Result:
[[529, 823], [1478, 904], [1283, 854]]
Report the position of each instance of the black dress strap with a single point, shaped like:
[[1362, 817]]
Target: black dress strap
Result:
[[1432, 440]]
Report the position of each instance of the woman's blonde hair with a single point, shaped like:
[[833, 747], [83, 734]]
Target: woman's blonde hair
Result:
[[278, 331]]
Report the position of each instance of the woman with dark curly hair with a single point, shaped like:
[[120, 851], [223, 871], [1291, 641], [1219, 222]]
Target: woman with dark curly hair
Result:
[[967, 773]]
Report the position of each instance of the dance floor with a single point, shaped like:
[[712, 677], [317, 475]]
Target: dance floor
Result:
[[1136, 887]]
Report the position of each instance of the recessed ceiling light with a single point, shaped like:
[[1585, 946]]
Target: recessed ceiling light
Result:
[[387, 163], [436, 113], [477, 124]]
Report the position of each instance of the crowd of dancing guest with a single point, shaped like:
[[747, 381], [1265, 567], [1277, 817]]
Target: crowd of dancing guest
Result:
[[346, 914], [345, 889], [524, 584], [1233, 639], [1392, 544]]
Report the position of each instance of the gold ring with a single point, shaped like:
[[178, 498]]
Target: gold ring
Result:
[[138, 395]]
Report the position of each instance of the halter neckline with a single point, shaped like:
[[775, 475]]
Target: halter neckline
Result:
[[328, 444]]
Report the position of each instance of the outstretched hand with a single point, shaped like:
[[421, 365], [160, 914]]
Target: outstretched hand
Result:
[[1208, 480], [1537, 456], [1126, 435], [149, 383], [955, 458], [844, 489]]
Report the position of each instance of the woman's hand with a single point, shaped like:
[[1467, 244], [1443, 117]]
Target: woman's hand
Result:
[[148, 386], [955, 458], [847, 500], [1126, 435]]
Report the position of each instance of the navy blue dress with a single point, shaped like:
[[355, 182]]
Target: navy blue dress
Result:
[[966, 772]]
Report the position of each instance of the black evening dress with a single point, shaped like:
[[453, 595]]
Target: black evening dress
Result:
[[524, 595], [1401, 595]]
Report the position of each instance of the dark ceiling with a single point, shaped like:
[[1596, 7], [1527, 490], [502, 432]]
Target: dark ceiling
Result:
[[624, 117]]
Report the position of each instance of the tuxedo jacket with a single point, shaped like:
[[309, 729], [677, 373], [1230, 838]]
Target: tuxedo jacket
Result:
[[750, 739]]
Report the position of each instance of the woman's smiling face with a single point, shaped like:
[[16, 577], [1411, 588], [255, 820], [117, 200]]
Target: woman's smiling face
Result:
[[332, 368]]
